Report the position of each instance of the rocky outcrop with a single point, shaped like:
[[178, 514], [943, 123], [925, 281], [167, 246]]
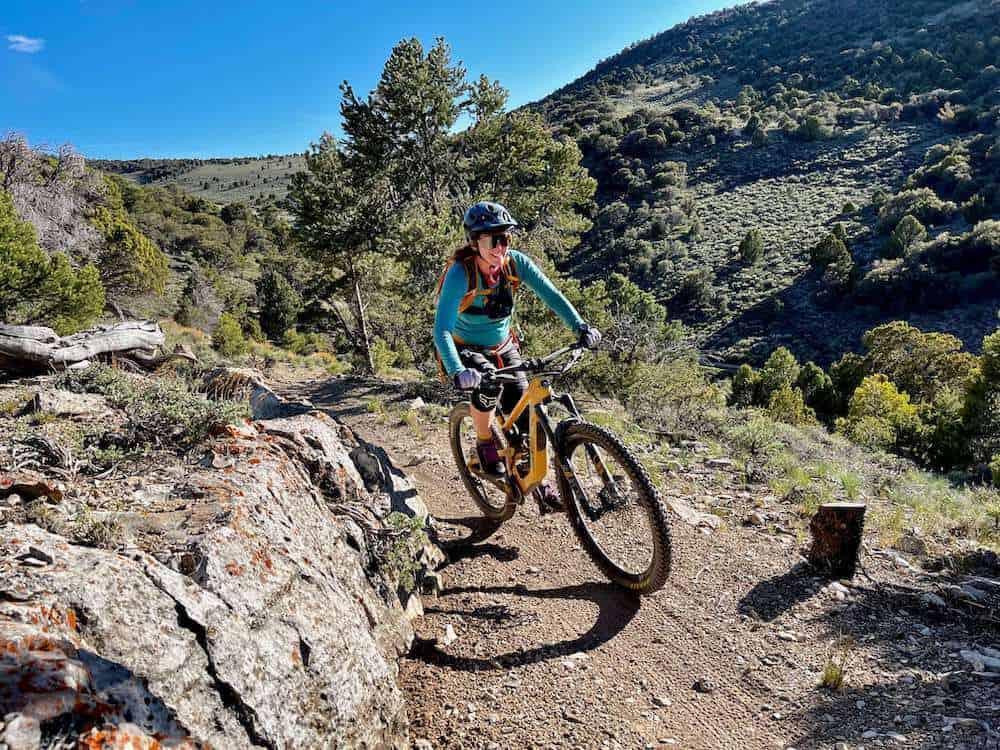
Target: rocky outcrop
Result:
[[254, 606]]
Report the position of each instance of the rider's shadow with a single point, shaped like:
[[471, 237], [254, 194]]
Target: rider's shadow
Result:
[[472, 545], [616, 608]]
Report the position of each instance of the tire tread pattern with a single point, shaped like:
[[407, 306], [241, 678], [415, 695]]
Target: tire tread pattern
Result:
[[571, 434]]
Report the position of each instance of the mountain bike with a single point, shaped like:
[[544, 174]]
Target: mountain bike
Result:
[[613, 507]]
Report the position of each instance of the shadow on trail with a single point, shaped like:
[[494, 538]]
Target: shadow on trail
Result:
[[617, 608], [769, 599], [480, 529]]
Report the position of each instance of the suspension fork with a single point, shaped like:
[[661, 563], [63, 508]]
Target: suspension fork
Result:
[[595, 458], [563, 463]]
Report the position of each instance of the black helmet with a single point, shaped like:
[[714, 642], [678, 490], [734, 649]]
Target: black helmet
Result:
[[487, 216]]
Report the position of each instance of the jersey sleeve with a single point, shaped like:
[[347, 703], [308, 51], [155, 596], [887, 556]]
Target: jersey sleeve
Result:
[[454, 288], [533, 277]]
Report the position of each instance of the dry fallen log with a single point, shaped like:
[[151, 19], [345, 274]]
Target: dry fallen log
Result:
[[36, 348], [836, 530]]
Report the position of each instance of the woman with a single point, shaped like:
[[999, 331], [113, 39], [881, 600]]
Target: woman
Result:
[[474, 308]]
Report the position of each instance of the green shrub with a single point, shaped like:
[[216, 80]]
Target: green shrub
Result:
[[922, 203], [812, 129], [981, 411], [907, 233], [753, 125], [849, 208], [227, 338], [164, 412], [383, 356], [293, 341], [759, 138], [788, 405], [943, 443], [129, 261], [846, 375], [755, 439], [745, 386], [995, 470], [868, 432], [675, 395], [780, 371], [37, 288], [840, 275], [830, 249], [752, 246], [919, 363], [697, 289], [879, 415], [817, 388], [253, 331], [279, 304]]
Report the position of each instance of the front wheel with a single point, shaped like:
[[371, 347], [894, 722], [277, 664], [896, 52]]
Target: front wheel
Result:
[[615, 511], [492, 501]]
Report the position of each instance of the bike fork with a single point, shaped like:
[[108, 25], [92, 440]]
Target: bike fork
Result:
[[595, 458]]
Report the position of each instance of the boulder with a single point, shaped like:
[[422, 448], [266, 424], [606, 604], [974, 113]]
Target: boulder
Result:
[[268, 616], [65, 404]]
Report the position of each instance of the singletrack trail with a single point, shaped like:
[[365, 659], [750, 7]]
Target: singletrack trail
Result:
[[545, 653]]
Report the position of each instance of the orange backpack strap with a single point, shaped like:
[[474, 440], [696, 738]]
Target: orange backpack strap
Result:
[[470, 276], [509, 272], [471, 286]]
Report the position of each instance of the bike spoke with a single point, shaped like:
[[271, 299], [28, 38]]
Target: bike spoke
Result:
[[612, 510]]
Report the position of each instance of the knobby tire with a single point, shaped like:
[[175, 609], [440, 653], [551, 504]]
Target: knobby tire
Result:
[[576, 435]]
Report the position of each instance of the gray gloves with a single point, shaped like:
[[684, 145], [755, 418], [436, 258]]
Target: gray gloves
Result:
[[466, 380], [590, 337]]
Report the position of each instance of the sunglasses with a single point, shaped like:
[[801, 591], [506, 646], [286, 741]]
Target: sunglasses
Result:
[[498, 240]]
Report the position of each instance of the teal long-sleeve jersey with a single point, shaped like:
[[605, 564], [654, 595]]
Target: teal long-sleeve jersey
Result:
[[480, 330]]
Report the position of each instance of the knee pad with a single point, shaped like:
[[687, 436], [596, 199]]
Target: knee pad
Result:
[[485, 401]]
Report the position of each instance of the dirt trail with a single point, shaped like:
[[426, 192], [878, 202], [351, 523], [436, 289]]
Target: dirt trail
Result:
[[547, 654]]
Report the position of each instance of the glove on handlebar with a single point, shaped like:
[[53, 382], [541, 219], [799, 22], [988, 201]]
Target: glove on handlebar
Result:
[[590, 337], [466, 380]]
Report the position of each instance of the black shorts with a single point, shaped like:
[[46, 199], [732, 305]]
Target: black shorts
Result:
[[506, 395]]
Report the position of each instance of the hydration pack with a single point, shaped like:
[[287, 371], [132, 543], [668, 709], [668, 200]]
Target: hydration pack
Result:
[[499, 299]]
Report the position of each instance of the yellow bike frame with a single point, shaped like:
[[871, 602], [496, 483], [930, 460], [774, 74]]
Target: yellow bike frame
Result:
[[538, 393]]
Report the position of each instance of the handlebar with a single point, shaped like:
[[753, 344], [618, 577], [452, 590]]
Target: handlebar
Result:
[[533, 366]]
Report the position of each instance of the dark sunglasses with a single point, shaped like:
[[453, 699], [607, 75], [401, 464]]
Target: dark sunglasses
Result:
[[499, 240]]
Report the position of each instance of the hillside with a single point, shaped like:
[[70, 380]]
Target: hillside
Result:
[[250, 180], [785, 117], [788, 117]]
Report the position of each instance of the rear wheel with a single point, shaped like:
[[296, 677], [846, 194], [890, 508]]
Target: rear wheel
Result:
[[492, 501], [615, 510]]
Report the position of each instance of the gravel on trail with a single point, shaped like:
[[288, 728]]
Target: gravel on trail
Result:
[[527, 646]]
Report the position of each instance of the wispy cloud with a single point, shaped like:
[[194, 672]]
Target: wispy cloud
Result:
[[21, 43]]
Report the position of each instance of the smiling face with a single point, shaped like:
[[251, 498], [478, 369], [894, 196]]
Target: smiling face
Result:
[[493, 248]]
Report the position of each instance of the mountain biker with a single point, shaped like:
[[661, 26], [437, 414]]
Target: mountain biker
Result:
[[475, 304]]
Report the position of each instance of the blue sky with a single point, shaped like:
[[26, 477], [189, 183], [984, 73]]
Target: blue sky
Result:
[[132, 78]]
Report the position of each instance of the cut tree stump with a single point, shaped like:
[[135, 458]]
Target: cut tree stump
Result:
[[27, 349], [836, 530]]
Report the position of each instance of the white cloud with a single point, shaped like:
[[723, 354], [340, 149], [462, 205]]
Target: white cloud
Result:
[[21, 43]]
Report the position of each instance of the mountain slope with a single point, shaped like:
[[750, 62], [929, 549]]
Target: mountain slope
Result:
[[788, 117], [251, 180]]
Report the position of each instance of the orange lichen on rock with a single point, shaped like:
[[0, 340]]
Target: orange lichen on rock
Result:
[[235, 569], [130, 737]]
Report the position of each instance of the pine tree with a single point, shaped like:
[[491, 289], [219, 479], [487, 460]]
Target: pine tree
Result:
[[752, 247], [37, 288]]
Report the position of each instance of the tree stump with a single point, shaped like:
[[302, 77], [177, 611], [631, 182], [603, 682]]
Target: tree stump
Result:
[[836, 530]]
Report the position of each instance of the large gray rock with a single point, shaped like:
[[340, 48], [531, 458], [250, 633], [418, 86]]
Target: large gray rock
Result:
[[262, 619], [65, 404]]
